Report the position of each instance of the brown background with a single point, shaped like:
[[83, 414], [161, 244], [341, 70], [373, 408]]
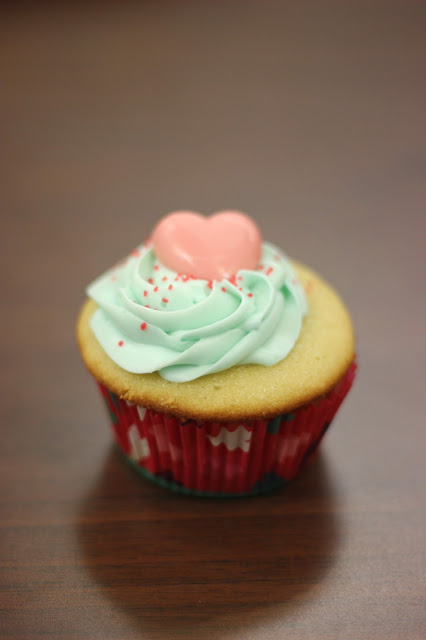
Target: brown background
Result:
[[308, 115]]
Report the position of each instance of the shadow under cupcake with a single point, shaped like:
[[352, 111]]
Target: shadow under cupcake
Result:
[[185, 567]]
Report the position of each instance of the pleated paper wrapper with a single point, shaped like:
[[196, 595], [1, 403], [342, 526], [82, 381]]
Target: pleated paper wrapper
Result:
[[222, 459]]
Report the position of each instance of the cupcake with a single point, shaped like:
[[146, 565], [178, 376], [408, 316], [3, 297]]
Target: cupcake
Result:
[[221, 361]]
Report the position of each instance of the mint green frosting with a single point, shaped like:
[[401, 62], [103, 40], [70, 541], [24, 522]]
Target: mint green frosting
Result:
[[150, 318]]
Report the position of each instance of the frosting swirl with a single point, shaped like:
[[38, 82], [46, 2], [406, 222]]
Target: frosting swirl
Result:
[[150, 318]]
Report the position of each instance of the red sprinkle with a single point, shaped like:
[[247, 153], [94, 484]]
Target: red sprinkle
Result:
[[143, 326], [249, 295], [147, 306], [261, 267], [223, 289], [120, 344], [156, 267], [240, 288], [145, 293], [155, 289], [135, 253], [269, 271], [151, 281], [240, 277], [232, 280], [210, 284], [164, 278], [170, 287], [164, 300]]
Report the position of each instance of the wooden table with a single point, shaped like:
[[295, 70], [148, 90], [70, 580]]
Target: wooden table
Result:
[[310, 116]]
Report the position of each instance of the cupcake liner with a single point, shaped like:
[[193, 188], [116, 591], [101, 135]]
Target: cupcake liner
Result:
[[222, 459]]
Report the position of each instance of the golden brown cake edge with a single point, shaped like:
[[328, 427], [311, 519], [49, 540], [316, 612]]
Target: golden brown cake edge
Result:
[[320, 358]]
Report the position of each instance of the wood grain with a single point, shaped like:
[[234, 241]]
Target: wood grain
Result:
[[308, 115]]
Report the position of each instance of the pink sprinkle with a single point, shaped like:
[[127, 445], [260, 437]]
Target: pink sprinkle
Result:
[[155, 289], [240, 288], [156, 267], [145, 293], [269, 271], [120, 344], [240, 277], [143, 326], [261, 267], [135, 253], [170, 287], [164, 300], [249, 295], [177, 278]]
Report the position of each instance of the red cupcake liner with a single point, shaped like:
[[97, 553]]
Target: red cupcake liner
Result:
[[222, 459]]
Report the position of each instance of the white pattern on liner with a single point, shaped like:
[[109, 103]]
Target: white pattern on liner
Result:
[[232, 439], [139, 447], [141, 412], [164, 444], [291, 445]]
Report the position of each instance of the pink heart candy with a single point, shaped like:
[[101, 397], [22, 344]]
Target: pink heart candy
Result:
[[208, 248]]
